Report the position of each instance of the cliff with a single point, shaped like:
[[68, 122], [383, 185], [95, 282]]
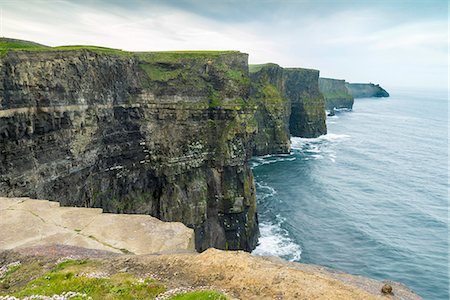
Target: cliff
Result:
[[366, 90], [289, 103], [273, 112], [167, 134], [164, 134], [301, 87], [335, 93]]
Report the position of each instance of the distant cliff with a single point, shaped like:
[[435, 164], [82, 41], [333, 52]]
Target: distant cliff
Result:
[[366, 90], [165, 134], [272, 115], [335, 93], [289, 103]]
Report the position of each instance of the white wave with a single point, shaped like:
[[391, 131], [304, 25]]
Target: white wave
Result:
[[270, 159], [332, 157], [275, 241], [343, 109], [313, 149], [265, 190], [311, 143]]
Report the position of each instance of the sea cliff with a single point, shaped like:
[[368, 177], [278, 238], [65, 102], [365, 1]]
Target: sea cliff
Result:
[[366, 90], [288, 103], [164, 134], [335, 93]]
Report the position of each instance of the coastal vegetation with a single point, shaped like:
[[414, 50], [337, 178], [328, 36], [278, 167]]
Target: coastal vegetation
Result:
[[89, 279]]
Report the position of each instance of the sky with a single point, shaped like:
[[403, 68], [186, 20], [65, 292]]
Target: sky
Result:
[[390, 42]]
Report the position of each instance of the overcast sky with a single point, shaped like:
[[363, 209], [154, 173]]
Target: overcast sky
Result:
[[394, 43]]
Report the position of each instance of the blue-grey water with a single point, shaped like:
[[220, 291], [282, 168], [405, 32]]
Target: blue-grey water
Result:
[[368, 198]]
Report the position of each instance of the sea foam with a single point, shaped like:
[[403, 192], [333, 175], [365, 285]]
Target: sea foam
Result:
[[275, 241]]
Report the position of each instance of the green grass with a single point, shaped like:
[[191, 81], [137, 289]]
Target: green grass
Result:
[[12, 44], [71, 276], [92, 48], [158, 73], [200, 295], [7, 44], [259, 67]]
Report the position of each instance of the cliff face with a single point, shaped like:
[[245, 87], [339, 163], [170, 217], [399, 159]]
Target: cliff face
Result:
[[274, 109], [164, 134], [289, 103], [335, 93], [366, 90], [301, 87]]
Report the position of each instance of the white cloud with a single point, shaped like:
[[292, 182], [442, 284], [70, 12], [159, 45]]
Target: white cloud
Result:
[[356, 44]]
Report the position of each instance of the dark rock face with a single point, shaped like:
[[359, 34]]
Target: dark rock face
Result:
[[307, 103], [165, 134], [274, 109], [289, 103], [335, 93], [366, 90]]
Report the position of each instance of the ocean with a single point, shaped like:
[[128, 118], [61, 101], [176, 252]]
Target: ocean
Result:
[[369, 198]]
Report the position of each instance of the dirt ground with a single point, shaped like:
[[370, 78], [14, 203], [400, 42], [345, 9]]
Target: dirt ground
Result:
[[239, 274]]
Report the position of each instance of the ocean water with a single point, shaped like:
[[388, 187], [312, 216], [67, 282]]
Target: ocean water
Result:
[[369, 198]]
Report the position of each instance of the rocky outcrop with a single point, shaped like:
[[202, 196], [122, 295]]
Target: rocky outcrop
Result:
[[164, 134], [335, 93], [366, 90], [289, 103], [44, 222]]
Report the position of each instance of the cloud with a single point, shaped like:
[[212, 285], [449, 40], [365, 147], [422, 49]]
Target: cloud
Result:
[[359, 42]]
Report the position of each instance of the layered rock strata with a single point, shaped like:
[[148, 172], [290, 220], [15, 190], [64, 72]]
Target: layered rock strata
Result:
[[289, 103], [164, 134]]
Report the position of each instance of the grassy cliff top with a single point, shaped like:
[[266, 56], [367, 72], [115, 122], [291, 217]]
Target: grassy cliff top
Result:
[[259, 67], [8, 44]]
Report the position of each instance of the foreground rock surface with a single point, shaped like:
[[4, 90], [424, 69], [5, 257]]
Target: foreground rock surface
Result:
[[25, 222], [239, 274]]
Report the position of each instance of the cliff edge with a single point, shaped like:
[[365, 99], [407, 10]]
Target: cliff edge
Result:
[[366, 90]]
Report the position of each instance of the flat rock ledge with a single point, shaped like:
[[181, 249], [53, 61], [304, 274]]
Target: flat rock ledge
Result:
[[28, 222]]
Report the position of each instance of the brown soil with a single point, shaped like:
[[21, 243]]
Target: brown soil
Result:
[[240, 274]]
